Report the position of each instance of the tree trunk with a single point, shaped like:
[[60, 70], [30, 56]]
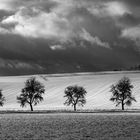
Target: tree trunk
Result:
[[122, 105], [74, 107], [31, 107]]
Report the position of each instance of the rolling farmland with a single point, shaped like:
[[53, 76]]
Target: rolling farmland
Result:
[[96, 84]]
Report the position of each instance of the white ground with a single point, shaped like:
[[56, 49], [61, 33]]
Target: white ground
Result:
[[96, 84]]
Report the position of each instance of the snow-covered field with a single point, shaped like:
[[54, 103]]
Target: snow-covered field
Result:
[[96, 84]]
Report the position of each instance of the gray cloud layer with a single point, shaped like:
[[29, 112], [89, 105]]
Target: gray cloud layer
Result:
[[68, 35]]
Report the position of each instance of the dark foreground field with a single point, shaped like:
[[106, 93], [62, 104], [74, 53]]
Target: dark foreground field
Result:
[[70, 126]]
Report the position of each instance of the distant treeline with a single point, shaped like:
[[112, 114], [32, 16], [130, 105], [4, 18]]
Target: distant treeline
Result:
[[132, 68], [136, 67]]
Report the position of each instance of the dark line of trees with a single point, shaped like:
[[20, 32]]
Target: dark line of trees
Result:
[[32, 94]]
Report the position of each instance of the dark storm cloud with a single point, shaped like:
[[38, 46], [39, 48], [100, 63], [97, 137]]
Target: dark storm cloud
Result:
[[12, 5], [130, 20], [102, 19], [132, 2], [4, 13], [68, 35]]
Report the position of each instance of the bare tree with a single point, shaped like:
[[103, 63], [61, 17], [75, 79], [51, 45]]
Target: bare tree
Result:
[[31, 93], [122, 92], [75, 96], [2, 98]]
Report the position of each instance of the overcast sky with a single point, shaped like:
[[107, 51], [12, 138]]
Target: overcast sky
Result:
[[85, 35]]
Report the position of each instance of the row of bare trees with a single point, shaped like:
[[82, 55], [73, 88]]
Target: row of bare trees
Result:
[[33, 92]]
